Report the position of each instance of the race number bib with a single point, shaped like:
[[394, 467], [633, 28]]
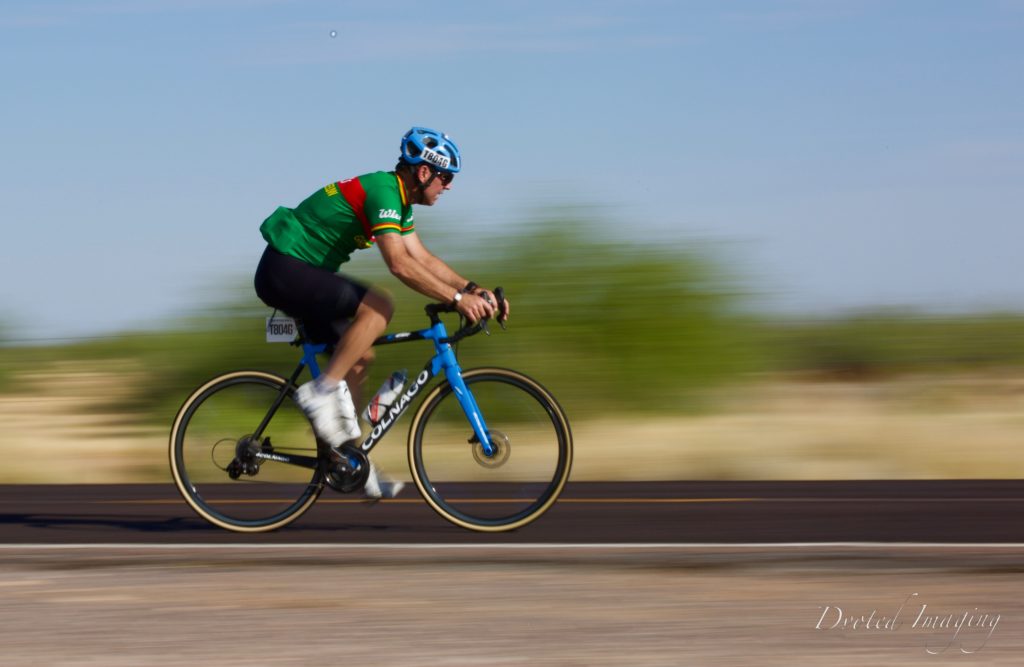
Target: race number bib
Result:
[[281, 329]]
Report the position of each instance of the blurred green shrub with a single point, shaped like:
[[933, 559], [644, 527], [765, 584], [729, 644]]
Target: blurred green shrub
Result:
[[609, 327], [890, 342], [606, 326], [616, 326]]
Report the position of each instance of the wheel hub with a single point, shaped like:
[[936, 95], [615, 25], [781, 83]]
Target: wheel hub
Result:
[[502, 449]]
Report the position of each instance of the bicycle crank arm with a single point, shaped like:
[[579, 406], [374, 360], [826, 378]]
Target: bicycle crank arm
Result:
[[291, 459]]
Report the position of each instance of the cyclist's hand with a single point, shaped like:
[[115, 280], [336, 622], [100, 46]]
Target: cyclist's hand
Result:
[[475, 307], [498, 311]]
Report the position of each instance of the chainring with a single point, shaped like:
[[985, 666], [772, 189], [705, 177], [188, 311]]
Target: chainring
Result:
[[346, 472]]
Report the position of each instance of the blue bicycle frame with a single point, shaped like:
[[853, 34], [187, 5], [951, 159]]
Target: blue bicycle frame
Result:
[[444, 360]]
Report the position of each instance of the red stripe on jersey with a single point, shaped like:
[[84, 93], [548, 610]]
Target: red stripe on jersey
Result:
[[387, 225], [353, 192]]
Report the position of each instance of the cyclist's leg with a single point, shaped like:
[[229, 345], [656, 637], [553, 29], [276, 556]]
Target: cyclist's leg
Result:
[[351, 360], [335, 309], [353, 353], [323, 299], [357, 375]]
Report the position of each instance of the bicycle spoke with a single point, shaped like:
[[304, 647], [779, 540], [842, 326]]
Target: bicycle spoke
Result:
[[215, 458], [508, 486]]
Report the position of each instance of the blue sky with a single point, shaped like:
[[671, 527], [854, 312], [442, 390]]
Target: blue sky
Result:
[[843, 153]]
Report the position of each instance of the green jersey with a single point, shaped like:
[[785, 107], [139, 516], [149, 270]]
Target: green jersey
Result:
[[342, 217]]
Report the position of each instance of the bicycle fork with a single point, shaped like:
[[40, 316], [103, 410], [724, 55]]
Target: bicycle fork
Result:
[[445, 359]]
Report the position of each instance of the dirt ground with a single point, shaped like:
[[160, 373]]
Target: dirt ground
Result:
[[768, 429], [523, 607]]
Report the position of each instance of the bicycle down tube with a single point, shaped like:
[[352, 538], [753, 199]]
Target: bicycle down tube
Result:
[[443, 361]]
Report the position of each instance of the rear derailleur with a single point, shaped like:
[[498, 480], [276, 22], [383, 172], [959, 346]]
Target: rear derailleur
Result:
[[246, 461]]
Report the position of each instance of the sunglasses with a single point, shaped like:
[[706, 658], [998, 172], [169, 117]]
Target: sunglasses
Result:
[[445, 176]]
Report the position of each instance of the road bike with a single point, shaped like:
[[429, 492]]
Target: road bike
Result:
[[489, 449]]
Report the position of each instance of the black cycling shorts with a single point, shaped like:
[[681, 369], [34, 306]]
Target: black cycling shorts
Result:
[[323, 300]]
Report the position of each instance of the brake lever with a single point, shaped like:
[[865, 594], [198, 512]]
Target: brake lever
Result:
[[499, 294], [483, 322]]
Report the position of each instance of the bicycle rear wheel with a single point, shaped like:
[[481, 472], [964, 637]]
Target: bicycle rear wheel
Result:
[[223, 464], [520, 481]]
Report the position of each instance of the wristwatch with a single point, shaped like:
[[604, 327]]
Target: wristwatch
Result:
[[456, 298]]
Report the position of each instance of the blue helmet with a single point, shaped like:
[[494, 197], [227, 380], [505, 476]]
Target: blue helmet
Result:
[[421, 145]]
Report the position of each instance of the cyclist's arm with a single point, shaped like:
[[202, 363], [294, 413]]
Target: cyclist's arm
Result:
[[420, 277], [433, 263], [439, 267]]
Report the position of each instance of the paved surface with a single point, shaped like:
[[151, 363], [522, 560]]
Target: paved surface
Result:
[[673, 512], [347, 582]]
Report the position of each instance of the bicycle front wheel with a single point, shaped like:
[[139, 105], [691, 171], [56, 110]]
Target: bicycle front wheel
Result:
[[516, 484], [229, 445]]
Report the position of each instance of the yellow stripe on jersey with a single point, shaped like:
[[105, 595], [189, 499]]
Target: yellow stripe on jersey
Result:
[[401, 190], [386, 227]]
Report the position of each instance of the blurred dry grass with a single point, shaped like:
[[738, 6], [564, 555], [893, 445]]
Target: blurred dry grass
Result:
[[62, 428]]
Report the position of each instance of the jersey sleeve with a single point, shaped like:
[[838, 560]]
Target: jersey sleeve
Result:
[[408, 226], [384, 211]]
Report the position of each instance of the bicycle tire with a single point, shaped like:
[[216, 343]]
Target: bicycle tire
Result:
[[212, 420], [490, 495]]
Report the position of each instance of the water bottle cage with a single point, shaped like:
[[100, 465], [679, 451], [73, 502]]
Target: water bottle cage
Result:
[[385, 397]]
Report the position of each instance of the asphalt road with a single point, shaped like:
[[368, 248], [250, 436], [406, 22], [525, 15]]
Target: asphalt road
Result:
[[966, 511]]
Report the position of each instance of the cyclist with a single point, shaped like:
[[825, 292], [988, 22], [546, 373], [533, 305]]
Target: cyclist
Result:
[[307, 244]]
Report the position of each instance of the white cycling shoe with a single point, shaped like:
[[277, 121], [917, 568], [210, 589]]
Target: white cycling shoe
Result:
[[334, 419], [378, 486], [332, 413]]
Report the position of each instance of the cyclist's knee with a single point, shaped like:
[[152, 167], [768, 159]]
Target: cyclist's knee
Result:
[[377, 305]]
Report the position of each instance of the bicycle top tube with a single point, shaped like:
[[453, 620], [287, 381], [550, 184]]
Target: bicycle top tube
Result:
[[444, 357], [437, 333]]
